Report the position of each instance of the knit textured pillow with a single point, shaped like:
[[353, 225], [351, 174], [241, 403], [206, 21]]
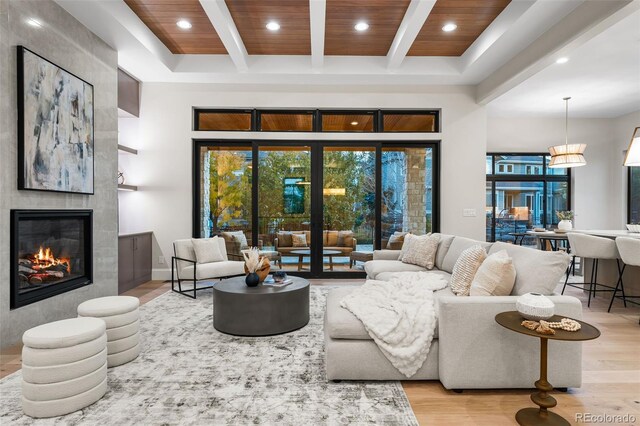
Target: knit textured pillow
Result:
[[495, 277], [465, 269], [422, 250]]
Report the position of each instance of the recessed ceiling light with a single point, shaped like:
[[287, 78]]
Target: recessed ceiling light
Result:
[[562, 60], [354, 123], [273, 26], [449, 27], [361, 26], [184, 24], [34, 22]]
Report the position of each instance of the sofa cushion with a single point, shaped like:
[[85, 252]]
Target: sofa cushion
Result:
[[387, 276], [537, 271], [422, 251], [465, 269], [458, 245], [330, 238], [207, 250], [395, 241], [342, 324], [443, 248], [284, 239], [236, 236], [345, 239], [226, 268], [374, 267], [495, 277], [299, 240]]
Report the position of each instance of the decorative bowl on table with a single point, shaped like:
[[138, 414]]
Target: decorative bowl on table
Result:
[[535, 306], [633, 227]]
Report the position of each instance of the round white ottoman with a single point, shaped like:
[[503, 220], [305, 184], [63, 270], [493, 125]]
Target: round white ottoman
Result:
[[64, 366], [122, 319]]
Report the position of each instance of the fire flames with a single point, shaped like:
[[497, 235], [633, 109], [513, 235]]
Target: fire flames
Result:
[[45, 259]]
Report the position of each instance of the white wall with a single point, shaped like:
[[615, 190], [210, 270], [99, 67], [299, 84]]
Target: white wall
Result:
[[623, 128], [599, 197], [165, 161]]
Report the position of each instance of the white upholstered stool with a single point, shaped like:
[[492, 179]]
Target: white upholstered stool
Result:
[[64, 366], [122, 318]]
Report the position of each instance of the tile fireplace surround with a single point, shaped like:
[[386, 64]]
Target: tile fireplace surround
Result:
[[66, 42]]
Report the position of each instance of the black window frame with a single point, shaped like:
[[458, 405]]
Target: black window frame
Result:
[[544, 178], [629, 191], [317, 147], [378, 118]]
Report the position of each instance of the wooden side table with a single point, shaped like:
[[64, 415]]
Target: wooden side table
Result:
[[533, 416]]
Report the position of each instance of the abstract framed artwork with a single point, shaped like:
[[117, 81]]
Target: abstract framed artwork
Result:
[[55, 127]]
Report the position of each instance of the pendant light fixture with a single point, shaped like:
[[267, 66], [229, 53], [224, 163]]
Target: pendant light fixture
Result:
[[567, 155], [633, 152]]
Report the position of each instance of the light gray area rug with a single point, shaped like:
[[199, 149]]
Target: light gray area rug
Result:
[[189, 373]]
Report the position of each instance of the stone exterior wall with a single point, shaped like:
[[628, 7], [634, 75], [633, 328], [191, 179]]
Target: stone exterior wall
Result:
[[414, 215], [64, 41]]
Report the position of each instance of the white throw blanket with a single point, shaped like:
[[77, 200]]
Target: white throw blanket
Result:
[[399, 315]]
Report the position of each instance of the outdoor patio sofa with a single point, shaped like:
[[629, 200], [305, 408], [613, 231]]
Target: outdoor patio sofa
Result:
[[342, 241], [470, 350]]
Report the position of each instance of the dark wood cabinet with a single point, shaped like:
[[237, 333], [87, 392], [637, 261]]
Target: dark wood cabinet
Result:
[[134, 260]]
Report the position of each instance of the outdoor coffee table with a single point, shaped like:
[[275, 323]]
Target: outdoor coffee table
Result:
[[533, 416], [325, 253], [260, 311]]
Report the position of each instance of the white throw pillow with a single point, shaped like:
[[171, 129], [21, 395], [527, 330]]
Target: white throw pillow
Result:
[[207, 250], [405, 245], [465, 269], [299, 240], [422, 250], [495, 277]]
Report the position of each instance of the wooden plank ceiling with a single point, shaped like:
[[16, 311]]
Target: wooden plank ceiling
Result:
[[252, 16], [383, 16], [293, 38], [471, 16], [161, 17]]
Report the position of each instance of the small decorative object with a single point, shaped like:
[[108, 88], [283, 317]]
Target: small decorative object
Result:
[[253, 263], [279, 276], [535, 306], [566, 324], [252, 279], [263, 272], [544, 328], [531, 325], [55, 134], [565, 223], [121, 179]]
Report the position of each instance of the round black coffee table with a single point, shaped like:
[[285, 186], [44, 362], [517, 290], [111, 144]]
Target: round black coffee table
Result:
[[260, 311]]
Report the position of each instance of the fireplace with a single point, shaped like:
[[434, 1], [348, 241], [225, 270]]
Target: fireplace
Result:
[[51, 253]]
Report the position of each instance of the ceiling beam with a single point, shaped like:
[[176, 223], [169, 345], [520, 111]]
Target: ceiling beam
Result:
[[585, 22], [317, 12], [221, 19], [412, 23]]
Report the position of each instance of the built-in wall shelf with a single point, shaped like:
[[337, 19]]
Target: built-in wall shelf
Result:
[[123, 187], [127, 149]]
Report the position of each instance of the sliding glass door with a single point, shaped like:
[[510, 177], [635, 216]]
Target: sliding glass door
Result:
[[315, 208]]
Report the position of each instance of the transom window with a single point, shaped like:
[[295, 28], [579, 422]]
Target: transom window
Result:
[[293, 120]]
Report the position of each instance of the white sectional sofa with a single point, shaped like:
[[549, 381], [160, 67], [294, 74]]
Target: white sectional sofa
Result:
[[470, 350]]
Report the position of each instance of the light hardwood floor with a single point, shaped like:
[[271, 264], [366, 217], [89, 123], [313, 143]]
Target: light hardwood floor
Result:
[[611, 372]]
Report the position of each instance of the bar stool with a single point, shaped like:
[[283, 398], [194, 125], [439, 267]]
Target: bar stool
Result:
[[629, 249], [596, 248]]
